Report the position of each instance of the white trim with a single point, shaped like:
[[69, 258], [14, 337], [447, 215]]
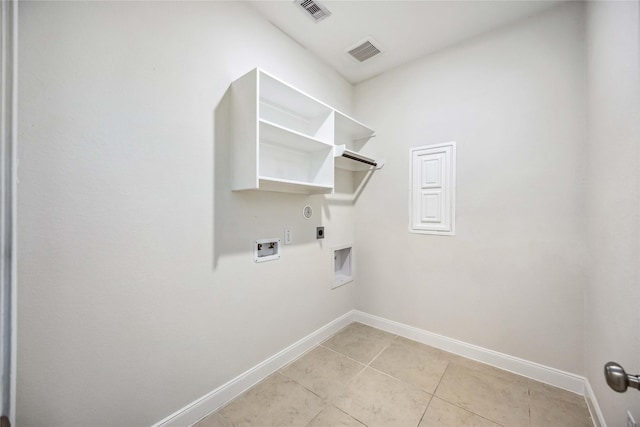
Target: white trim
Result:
[[8, 210], [211, 402], [592, 403], [13, 370], [217, 398], [545, 374]]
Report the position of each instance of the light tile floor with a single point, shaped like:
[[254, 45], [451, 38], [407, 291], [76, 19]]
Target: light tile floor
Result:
[[362, 376]]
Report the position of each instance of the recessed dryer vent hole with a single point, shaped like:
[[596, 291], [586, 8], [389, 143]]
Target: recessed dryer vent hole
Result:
[[342, 266]]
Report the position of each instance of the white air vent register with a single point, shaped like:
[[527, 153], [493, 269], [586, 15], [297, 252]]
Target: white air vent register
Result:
[[364, 50], [313, 9]]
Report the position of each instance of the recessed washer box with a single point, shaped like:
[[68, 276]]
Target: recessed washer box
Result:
[[266, 250], [343, 271]]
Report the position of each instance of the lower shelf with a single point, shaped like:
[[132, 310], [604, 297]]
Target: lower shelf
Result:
[[289, 186]]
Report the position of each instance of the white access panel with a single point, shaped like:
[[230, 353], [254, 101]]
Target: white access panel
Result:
[[432, 189]]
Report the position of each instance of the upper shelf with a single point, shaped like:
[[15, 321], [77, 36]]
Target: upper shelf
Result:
[[285, 140], [293, 109], [350, 132], [279, 94]]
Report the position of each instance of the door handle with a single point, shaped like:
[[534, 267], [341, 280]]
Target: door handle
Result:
[[618, 379]]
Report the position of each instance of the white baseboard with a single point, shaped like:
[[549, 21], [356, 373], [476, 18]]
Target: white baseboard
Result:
[[545, 374], [217, 398], [594, 408]]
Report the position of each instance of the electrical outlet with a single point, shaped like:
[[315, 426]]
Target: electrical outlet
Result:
[[288, 238], [630, 421]]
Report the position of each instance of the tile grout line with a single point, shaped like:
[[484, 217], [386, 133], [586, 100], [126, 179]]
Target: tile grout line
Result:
[[431, 396], [349, 415], [364, 367], [309, 423], [471, 412], [381, 351], [329, 399], [342, 354], [529, 403], [368, 365], [441, 378], [349, 358], [382, 372], [425, 410], [453, 404], [386, 374], [301, 385]]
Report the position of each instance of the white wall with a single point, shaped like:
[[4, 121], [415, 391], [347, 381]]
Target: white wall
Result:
[[137, 288], [613, 190], [512, 279]]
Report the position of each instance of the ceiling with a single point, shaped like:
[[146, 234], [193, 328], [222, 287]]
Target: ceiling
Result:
[[404, 30]]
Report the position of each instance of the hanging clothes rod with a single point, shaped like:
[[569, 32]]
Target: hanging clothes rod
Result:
[[342, 151], [369, 162]]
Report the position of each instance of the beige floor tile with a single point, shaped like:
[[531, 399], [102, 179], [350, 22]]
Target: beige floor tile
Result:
[[333, 417], [413, 362], [376, 399], [213, 420], [556, 393], [490, 396], [359, 342], [552, 406], [490, 370], [331, 387], [323, 371], [276, 401], [443, 414]]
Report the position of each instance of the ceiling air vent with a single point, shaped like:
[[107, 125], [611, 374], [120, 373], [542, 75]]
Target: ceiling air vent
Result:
[[315, 10], [364, 50]]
